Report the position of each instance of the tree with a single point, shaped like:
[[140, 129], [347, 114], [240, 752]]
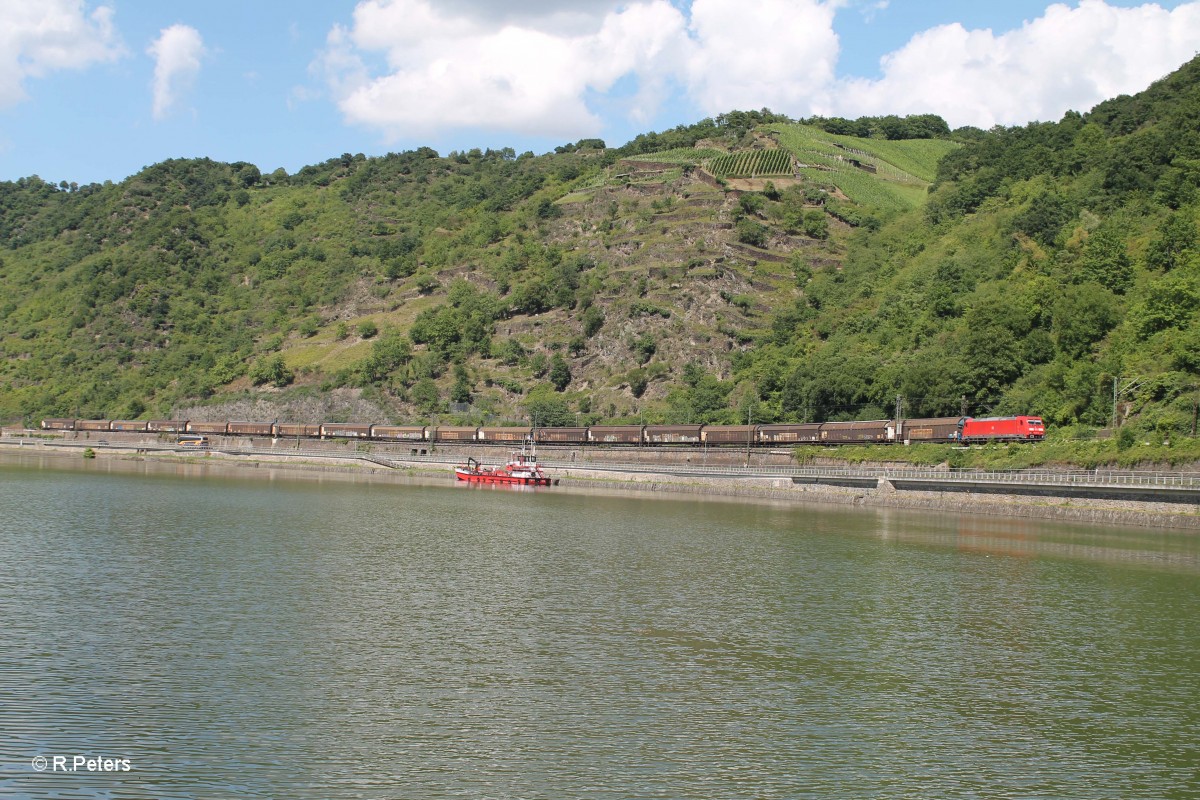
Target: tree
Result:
[[638, 381], [751, 232], [1176, 237], [389, 351], [645, 346], [1044, 218], [593, 320], [426, 397], [460, 392], [816, 225], [560, 373], [752, 203], [1081, 316], [1169, 302], [1106, 260], [547, 410], [271, 370]]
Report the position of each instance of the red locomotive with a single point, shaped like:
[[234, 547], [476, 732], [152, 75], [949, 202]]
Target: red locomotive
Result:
[[999, 429]]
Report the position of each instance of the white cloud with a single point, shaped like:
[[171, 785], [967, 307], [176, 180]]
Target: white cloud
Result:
[[177, 53], [450, 71], [776, 53], [1069, 58], [40, 36], [412, 68]]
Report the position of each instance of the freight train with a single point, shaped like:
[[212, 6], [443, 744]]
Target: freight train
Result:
[[965, 430]]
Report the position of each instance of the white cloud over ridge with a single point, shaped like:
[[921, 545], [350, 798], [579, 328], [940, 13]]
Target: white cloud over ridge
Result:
[[452, 71], [41, 36], [411, 68], [177, 53], [1069, 58]]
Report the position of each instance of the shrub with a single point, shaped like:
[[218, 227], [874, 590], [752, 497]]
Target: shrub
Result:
[[1126, 438], [560, 373], [645, 347], [593, 320], [271, 370], [638, 381], [751, 233]]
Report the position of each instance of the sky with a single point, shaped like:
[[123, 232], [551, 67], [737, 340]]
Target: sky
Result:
[[95, 90]]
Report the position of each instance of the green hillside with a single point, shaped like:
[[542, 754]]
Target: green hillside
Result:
[[1019, 270], [885, 174]]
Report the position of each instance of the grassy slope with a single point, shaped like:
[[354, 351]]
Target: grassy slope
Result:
[[904, 169]]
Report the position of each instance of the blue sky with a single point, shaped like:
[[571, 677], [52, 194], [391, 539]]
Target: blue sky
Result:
[[94, 90]]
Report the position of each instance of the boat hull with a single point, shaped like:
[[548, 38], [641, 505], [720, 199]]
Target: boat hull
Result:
[[500, 477]]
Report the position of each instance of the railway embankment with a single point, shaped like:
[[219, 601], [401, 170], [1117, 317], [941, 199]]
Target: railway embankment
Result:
[[1125, 498]]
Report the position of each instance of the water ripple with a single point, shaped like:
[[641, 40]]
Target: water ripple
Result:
[[334, 640]]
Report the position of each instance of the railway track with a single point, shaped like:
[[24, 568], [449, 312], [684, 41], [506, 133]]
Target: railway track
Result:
[[1176, 487]]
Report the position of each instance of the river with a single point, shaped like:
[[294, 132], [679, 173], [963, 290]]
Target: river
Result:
[[233, 634]]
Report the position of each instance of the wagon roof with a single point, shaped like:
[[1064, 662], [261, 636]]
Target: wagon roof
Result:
[[859, 424], [784, 426]]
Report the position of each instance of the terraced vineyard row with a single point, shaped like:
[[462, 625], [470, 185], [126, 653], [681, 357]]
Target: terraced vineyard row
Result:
[[752, 164], [692, 156]]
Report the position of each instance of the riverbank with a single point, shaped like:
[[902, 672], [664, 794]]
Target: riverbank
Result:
[[345, 466]]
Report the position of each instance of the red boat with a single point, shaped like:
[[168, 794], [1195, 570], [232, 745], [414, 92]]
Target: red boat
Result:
[[521, 470]]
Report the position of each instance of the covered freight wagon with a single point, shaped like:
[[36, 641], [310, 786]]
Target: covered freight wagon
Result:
[[935, 429], [130, 425], [504, 434], [58, 424], [296, 429], [791, 433], [346, 430], [877, 430], [673, 434], [730, 434], [615, 434], [560, 435], [93, 425], [167, 425], [251, 428], [212, 428], [403, 433], [453, 433]]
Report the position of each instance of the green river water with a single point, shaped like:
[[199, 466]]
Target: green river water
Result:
[[267, 634]]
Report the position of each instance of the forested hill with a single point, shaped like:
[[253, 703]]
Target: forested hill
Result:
[[746, 266]]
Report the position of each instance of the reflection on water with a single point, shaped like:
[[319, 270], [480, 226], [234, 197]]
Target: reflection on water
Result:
[[1028, 538], [261, 636]]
